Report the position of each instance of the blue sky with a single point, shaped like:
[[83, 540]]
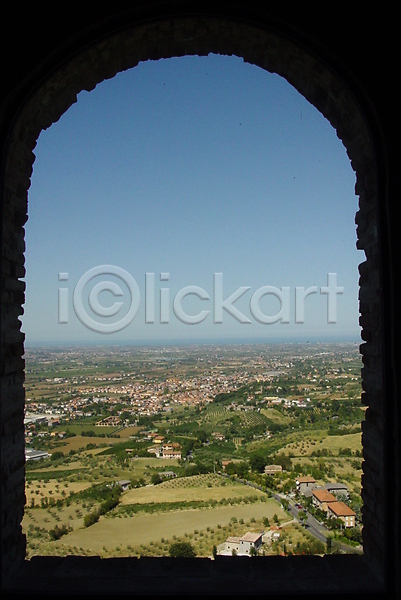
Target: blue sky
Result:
[[190, 167]]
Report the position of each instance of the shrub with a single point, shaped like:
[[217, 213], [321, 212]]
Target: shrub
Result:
[[57, 455], [182, 550], [156, 479], [91, 518], [57, 532]]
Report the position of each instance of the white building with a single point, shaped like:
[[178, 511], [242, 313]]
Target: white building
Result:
[[31, 454], [273, 469], [242, 545]]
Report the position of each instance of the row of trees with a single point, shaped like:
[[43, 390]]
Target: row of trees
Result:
[[111, 501]]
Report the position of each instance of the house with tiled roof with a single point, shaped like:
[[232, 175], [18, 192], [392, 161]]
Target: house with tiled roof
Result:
[[171, 454], [340, 510], [242, 545], [305, 484], [321, 498]]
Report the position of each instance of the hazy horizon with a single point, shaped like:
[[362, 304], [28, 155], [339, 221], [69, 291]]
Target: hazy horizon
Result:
[[178, 343]]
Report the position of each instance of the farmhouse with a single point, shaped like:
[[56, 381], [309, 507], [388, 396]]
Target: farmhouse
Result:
[[124, 484], [171, 454], [272, 469], [242, 545], [305, 484], [171, 446]]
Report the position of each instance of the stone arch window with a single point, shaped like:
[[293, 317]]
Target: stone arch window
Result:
[[94, 62]]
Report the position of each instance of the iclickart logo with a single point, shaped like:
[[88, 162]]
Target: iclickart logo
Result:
[[90, 308]]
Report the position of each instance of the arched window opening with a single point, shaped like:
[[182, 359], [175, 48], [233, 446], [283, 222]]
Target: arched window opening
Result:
[[169, 189], [93, 60]]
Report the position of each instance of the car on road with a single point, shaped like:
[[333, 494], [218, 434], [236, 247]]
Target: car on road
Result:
[[299, 506]]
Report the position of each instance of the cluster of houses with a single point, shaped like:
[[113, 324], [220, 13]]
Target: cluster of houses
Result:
[[294, 402], [325, 498], [163, 449]]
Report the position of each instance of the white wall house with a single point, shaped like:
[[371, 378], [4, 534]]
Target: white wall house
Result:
[[242, 545]]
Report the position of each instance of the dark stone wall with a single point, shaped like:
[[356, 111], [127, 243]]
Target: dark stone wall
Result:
[[345, 64]]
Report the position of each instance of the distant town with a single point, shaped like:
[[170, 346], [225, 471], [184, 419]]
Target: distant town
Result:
[[148, 396]]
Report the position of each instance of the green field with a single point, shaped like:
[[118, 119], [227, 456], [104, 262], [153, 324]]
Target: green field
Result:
[[276, 416], [219, 415]]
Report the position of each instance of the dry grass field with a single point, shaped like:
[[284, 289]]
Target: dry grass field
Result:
[[119, 530], [186, 489], [79, 442], [47, 518], [127, 431], [331, 442], [150, 528], [52, 489], [335, 442]]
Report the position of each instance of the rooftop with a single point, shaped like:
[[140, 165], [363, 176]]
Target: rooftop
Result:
[[324, 495], [335, 486], [251, 537], [341, 509]]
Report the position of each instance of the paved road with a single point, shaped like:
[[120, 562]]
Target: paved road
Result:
[[312, 525], [317, 530]]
